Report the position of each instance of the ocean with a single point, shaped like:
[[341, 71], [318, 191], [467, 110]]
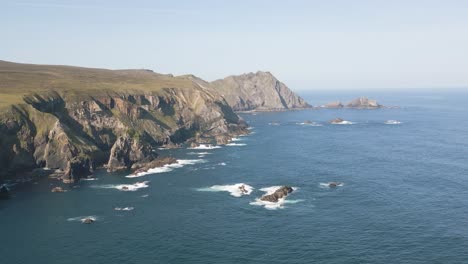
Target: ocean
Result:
[[403, 198]]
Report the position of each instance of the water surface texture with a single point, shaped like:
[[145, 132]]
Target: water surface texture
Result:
[[404, 197]]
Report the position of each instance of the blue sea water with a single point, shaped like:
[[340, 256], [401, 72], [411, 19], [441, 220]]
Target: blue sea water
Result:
[[404, 198]]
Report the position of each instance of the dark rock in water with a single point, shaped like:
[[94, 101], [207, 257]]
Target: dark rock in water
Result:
[[88, 220], [242, 189], [336, 121], [334, 184], [4, 192], [57, 189], [278, 194], [308, 122], [125, 188], [159, 162]]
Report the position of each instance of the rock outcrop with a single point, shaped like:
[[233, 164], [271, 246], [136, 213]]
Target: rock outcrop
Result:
[[358, 103], [278, 194], [73, 120], [363, 103], [259, 91]]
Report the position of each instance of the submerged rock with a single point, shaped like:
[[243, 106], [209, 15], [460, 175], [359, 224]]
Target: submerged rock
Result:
[[336, 121], [278, 194], [57, 189], [88, 220], [4, 192], [334, 184]]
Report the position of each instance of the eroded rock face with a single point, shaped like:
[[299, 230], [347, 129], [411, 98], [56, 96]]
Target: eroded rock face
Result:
[[278, 194], [74, 135], [257, 91]]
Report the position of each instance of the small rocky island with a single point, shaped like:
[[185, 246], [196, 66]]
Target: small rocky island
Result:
[[358, 103], [278, 194]]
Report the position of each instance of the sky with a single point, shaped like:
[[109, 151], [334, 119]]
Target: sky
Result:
[[309, 45]]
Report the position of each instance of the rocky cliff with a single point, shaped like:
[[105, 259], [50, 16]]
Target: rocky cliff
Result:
[[74, 119], [257, 91]]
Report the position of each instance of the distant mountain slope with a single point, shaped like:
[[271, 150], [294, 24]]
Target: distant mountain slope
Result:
[[257, 91]]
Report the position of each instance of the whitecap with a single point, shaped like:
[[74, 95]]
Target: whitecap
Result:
[[206, 146], [236, 144], [88, 179], [124, 208], [199, 153], [167, 168], [222, 164], [124, 187], [392, 122], [82, 218], [234, 189], [310, 124], [144, 195], [344, 122]]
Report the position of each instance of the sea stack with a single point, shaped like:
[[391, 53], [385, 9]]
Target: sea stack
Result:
[[278, 194]]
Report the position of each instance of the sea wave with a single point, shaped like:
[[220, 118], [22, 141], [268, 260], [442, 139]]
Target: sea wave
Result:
[[236, 144], [124, 208], [234, 189], [206, 146], [124, 187], [344, 122], [82, 218], [310, 124], [392, 122], [167, 168]]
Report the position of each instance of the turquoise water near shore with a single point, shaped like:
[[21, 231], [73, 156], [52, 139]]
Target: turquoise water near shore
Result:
[[404, 197]]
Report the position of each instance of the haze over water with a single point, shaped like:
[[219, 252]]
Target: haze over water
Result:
[[404, 197]]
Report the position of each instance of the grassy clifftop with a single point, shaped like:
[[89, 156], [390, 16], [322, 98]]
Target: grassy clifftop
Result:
[[18, 80]]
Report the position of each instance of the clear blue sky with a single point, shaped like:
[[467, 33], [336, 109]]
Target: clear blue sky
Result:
[[328, 44]]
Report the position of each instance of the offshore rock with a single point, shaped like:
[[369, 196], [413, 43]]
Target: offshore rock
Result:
[[278, 194]]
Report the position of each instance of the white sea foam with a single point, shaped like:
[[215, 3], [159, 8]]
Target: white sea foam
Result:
[[271, 205], [274, 124], [310, 124], [124, 187], [222, 164], [236, 139], [236, 144], [234, 189], [82, 218], [167, 168], [327, 184], [88, 179], [344, 122], [124, 208], [206, 146], [144, 195], [392, 122], [199, 153]]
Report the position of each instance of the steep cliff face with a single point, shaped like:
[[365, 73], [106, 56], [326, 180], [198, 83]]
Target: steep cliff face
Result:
[[74, 131], [257, 91]]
